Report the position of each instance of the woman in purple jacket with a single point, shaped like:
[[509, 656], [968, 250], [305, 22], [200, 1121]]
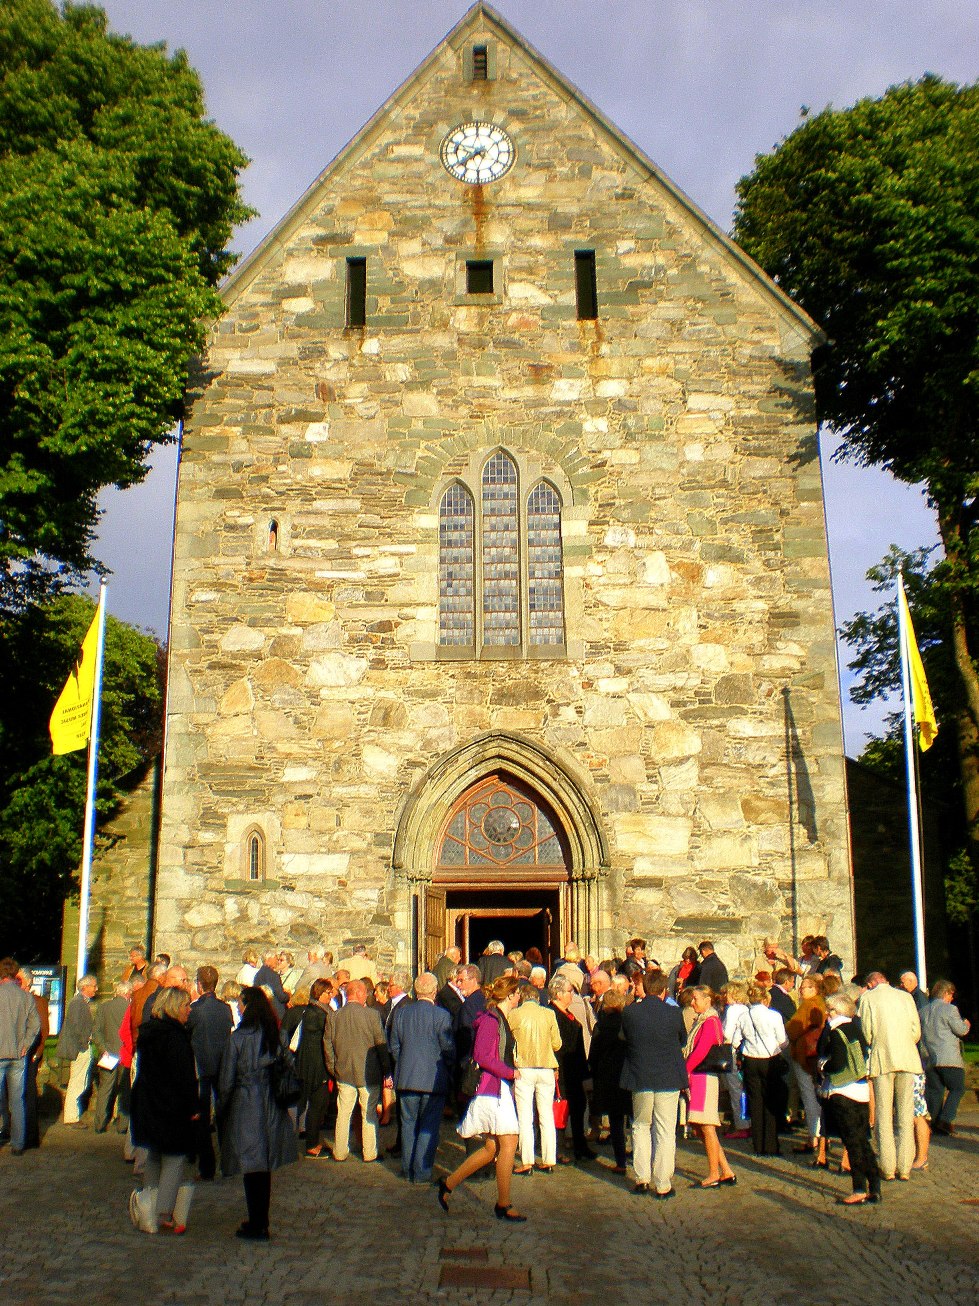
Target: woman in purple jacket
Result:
[[492, 1113]]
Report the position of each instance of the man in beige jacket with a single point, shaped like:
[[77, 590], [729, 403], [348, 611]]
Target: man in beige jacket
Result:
[[537, 1039], [891, 1027]]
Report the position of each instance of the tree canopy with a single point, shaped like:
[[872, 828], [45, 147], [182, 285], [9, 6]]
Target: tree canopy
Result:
[[869, 218], [42, 798], [117, 201]]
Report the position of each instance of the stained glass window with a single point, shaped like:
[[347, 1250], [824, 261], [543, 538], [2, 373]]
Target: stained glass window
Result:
[[501, 553], [544, 571], [498, 825], [457, 615]]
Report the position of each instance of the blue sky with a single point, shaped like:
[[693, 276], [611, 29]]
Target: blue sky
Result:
[[702, 86]]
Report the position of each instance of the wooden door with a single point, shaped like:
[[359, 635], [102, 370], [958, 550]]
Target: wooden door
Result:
[[434, 925]]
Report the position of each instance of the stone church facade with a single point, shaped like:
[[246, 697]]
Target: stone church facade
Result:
[[501, 600]]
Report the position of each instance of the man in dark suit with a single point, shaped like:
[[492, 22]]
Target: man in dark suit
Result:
[[210, 1026], [450, 996], [713, 972], [269, 975], [655, 1074], [422, 1044], [494, 962], [445, 967], [780, 994]]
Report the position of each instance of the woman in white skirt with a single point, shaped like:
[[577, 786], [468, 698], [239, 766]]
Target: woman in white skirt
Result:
[[492, 1113]]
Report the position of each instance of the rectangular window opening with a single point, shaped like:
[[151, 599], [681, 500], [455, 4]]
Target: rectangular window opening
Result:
[[356, 292], [585, 284], [480, 63], [479, 276]]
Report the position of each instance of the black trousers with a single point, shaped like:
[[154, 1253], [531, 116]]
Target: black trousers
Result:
[[206, 1163], [574, 1091], [765, 1087], [317, 1110], [851, 1120], [258, 1198]]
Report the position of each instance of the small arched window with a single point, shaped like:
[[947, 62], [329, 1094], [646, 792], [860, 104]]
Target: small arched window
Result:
[[255, 855], [273, 537]]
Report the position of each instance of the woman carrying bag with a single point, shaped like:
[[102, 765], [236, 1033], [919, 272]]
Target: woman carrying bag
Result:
[[703, 1112], [492, 1113]]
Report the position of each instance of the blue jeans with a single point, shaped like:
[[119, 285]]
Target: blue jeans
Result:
[[12, 1074], [421, 1119]]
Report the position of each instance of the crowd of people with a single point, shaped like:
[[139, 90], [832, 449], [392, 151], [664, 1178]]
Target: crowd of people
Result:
[[538, 1066]]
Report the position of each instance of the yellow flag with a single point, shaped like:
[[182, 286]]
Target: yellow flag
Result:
[[71, 720], [924, 713]]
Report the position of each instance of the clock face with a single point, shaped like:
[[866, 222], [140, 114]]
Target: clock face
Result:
[[477, 152]]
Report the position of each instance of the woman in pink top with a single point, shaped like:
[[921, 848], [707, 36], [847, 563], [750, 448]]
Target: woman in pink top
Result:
[[492, 1113], [703, 1111]]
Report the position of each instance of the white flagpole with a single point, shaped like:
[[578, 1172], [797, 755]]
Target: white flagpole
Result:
[[93, 775], [914, 832]]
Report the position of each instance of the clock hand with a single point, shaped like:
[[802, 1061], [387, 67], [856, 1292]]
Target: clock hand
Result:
[[462, 160]]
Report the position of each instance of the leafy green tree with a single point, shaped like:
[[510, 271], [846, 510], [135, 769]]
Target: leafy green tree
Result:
[[869, 218], [42, 798], [117, 201]]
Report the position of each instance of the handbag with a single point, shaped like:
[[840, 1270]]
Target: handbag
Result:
[[470, 1080], [561, 1108], [718, 1061], [286, 1086]]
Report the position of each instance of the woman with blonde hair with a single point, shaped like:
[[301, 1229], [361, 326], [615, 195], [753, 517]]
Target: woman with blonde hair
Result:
[[763, 1040], [734, 1000], [492, 1113], [166, 1106], [703, 1112]]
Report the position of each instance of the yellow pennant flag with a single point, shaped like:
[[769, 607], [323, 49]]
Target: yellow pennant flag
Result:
[[924, 713], [71, 720]]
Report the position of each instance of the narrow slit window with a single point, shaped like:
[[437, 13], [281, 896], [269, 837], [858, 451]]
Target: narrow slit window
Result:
[[256, 856], [356, 292], [273, 536], [585, 284], [457, 587], [479, 276], [501, 553], [544, 566], [480, 63]]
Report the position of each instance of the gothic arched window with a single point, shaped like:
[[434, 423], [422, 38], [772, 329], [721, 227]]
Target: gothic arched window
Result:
[[254, 855], [457, 585], [501, 568], [544, 570]]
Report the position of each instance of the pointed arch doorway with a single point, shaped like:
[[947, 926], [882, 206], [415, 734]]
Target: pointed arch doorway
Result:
[[502, 869], [534, 860]]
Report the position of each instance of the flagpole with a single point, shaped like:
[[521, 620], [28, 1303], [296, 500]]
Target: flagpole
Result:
[[914, 830], [93, 775]]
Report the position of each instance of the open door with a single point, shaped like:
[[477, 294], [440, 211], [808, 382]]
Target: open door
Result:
[[434, 925]]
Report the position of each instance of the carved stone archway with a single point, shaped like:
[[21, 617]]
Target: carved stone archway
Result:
[[423, 816]]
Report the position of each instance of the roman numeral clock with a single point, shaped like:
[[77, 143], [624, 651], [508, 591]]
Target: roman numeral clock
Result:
[[477, 153]]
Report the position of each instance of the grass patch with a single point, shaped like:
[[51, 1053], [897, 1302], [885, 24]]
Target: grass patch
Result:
[[970, 1051]]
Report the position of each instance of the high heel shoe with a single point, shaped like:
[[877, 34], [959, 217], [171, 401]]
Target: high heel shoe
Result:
[[444, 1192], [819, 1165], [508, 1213]]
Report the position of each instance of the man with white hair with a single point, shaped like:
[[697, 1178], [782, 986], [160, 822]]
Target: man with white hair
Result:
[[494, 962], [75, 1045], [422, 1044], [359, 964], [269, 976], [908, 981], [316, 968]]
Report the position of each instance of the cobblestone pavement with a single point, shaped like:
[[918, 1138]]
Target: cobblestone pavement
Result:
[[356, 1233]]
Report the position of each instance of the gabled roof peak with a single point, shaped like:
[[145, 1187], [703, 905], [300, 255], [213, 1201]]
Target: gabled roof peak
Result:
[[482, 13]]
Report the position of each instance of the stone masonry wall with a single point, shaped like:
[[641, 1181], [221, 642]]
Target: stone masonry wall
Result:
[[697, 708]]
